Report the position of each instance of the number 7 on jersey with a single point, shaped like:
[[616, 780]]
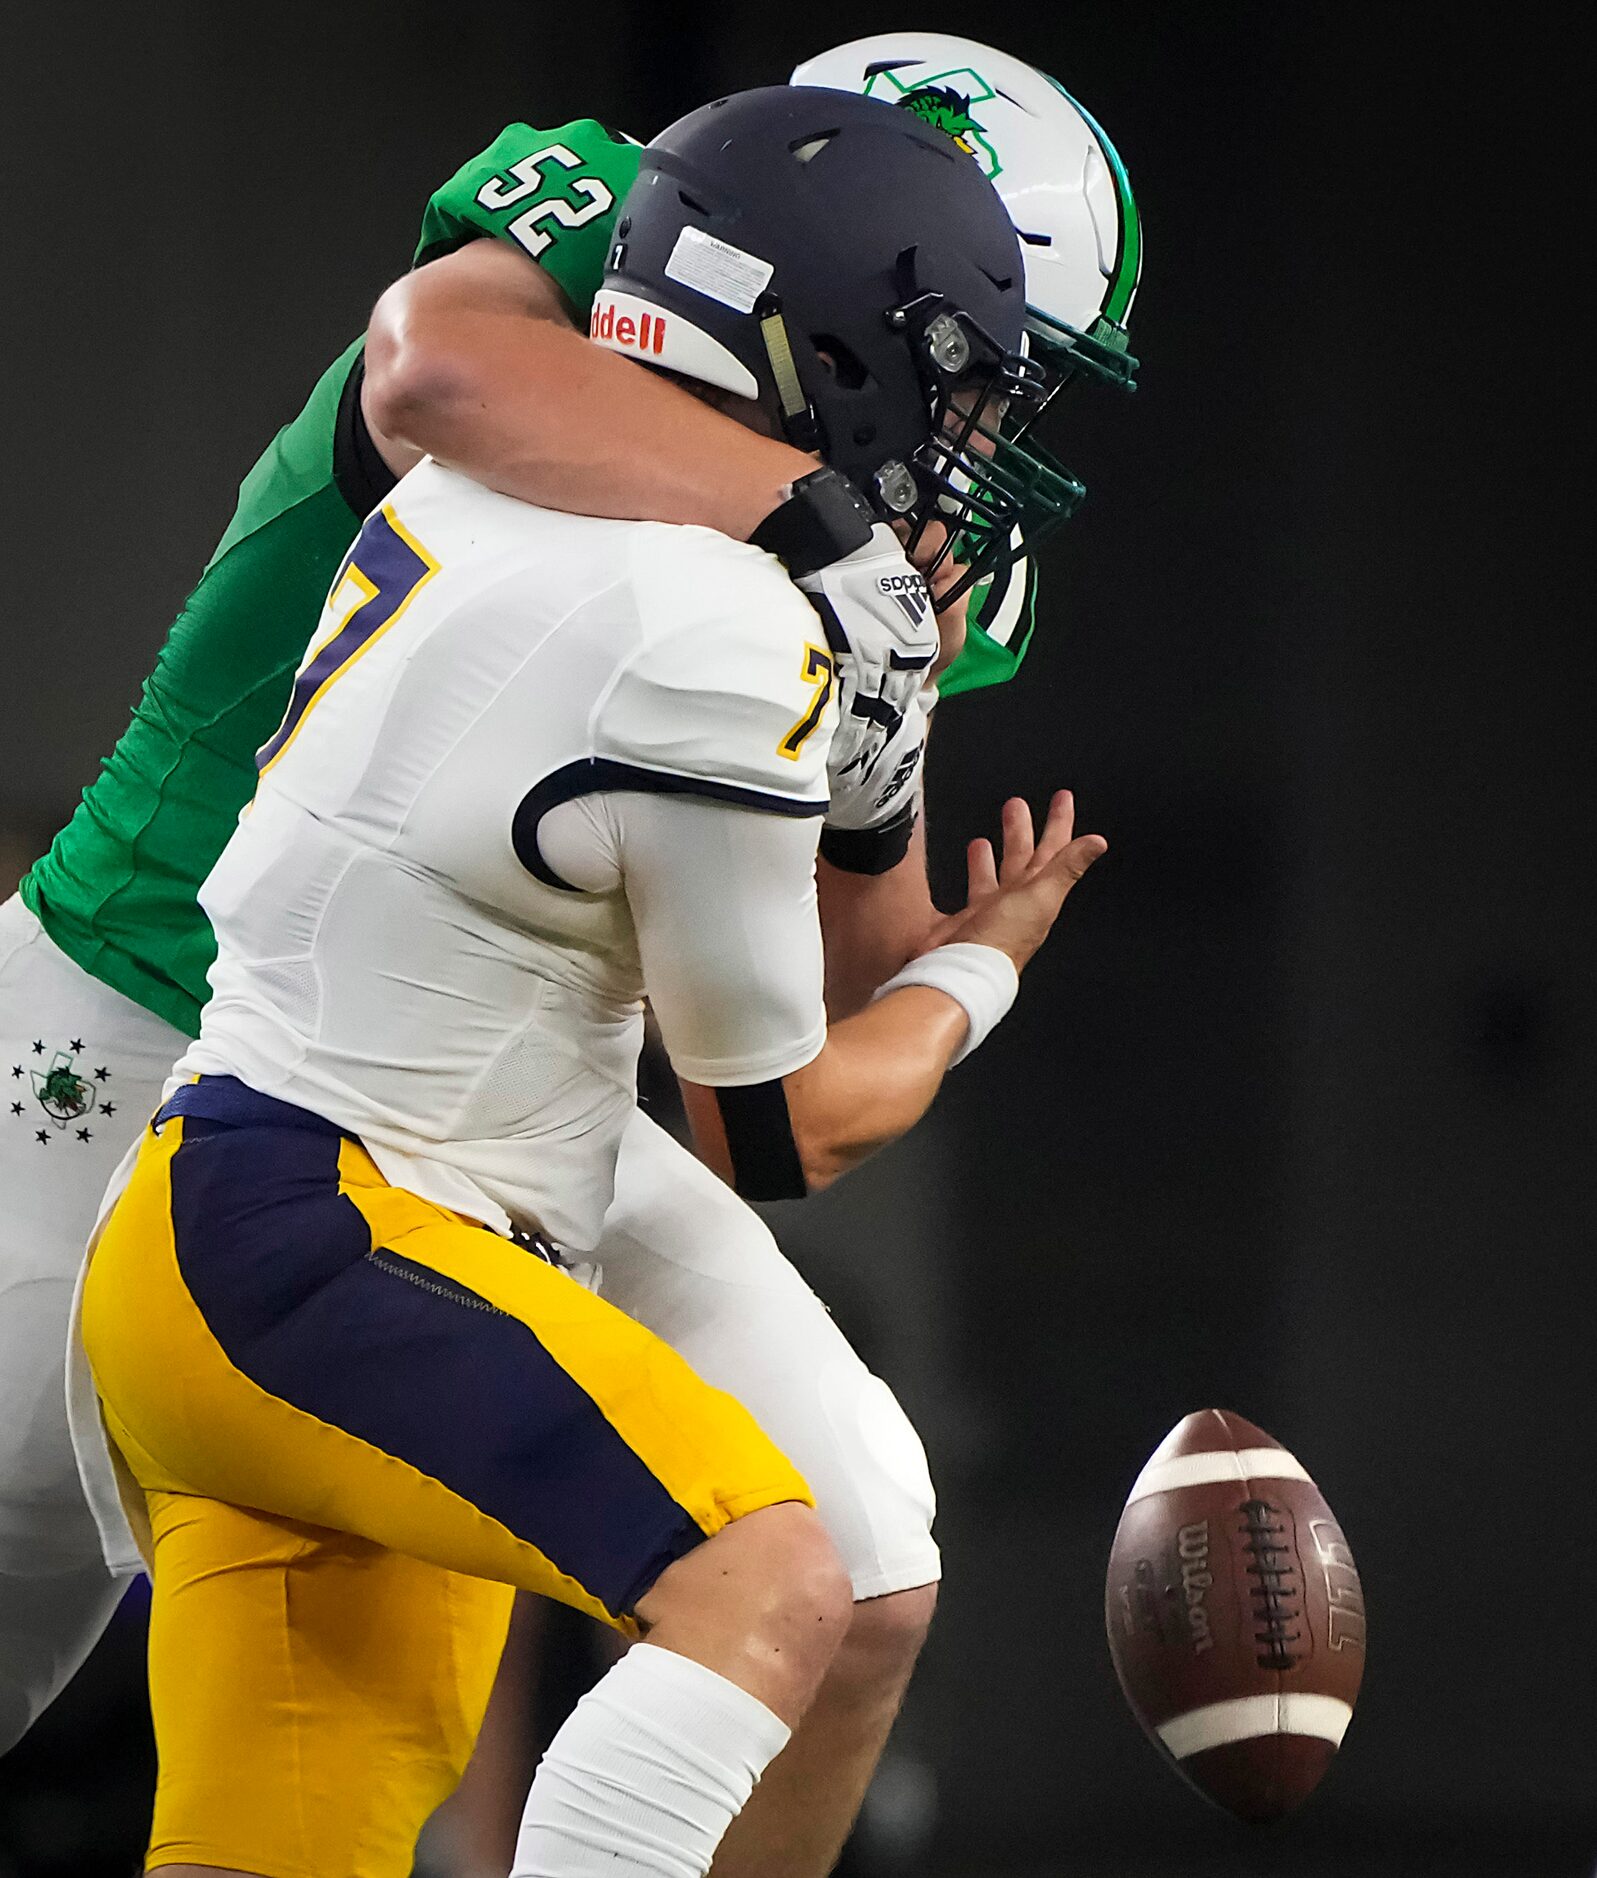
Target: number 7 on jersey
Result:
[[385, 570], [817, 670]]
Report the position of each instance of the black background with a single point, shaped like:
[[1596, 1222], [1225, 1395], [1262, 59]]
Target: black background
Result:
[[1294, 1115]]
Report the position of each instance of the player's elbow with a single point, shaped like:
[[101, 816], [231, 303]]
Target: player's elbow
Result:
[[828, 1141], [820, 1163], [450, 340], [418, 373]]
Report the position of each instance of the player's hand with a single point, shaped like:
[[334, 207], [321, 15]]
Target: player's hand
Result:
[[872, 774], [1014, 902], [951, 617], [884, 638]]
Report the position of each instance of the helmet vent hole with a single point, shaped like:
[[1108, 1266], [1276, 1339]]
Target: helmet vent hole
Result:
[[687, 202], [807, 149], [847, 368], [1035, 241], [1003, 282]]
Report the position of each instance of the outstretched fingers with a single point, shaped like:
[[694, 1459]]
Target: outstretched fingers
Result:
[[981, 870], [1023, 855], [1058, 829], [1020, 841], [1073, 860]]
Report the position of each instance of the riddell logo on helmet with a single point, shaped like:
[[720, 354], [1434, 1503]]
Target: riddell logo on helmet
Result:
[[646, 332]]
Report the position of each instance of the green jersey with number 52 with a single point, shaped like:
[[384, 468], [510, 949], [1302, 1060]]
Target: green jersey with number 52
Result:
[[117, 890]]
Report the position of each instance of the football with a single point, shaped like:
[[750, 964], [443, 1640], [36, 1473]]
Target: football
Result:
[[1235, 1615]]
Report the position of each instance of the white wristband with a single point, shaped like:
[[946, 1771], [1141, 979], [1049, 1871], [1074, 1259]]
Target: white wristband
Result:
[[981, 979]]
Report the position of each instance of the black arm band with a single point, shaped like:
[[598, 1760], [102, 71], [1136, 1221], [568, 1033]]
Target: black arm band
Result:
[[759, 1138], [869, 850], [824, 518]]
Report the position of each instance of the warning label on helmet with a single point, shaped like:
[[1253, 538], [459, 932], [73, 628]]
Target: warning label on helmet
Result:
[[718, 270]]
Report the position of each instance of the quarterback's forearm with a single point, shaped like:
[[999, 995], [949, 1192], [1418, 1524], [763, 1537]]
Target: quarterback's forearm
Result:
[[873, 1080], [472, 359], [873, 924]]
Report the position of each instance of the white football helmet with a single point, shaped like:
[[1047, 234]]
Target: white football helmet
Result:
[[1058, 174]]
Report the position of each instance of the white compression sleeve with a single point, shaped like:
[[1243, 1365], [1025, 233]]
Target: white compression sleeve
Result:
[[979, 978], [647, 1774]]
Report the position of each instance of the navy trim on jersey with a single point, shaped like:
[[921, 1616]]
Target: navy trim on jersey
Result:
[[591, 775], [391, 565]]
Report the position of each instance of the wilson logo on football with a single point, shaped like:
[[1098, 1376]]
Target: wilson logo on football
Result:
[[646, 333]]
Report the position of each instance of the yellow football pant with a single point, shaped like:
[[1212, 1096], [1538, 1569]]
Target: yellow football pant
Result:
[[316, 1696], [418, 1415]]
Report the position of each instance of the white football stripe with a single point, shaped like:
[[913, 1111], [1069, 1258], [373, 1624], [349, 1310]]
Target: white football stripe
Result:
[[1199, 1470], [1322, 1716]]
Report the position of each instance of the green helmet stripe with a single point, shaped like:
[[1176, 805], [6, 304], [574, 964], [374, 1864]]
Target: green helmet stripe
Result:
[[1128, 262]]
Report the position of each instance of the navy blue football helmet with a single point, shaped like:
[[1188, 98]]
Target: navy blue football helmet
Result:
[[847, 267]]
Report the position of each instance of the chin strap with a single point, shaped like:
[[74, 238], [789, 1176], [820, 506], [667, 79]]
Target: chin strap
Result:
[[798, 414]]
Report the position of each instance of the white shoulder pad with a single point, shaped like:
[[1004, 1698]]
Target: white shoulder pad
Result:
[[729, 690]]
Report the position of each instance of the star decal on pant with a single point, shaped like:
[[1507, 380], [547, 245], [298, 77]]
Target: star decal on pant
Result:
[[65, 1095]]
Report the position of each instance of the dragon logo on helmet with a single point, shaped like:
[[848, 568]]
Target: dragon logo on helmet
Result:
[[946, 101], [945, 110]]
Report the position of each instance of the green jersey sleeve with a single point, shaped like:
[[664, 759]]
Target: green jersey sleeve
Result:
[[554, 193]]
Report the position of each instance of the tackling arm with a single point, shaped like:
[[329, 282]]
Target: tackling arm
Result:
[[473, 359]]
